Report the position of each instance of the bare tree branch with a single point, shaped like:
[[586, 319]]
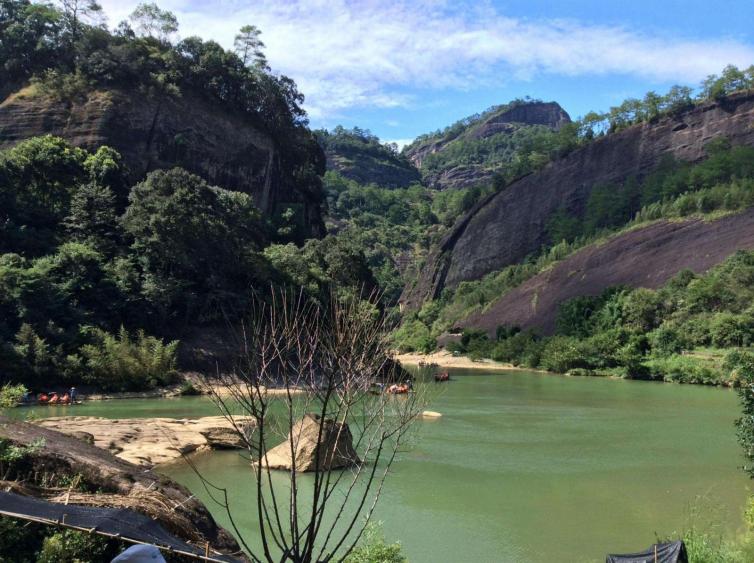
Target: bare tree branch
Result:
[[301, 357]]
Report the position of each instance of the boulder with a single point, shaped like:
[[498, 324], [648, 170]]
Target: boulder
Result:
[[334, 451], [223, 438]]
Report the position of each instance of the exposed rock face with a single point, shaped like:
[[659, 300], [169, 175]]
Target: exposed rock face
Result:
[[392, 172], [226, 149], [507, 226], [645, 257], [459, 177], [119, 483], [335, 450], [548, 114], [151, 441]]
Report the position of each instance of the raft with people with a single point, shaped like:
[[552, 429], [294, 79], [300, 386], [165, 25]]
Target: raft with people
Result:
[[398, 389], [442, 376], [54, 398]]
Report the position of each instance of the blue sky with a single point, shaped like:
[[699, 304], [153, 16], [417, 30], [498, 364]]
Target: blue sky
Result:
[[402, 68]]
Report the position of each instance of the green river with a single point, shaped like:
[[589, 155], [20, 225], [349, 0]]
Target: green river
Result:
[[531, 468]]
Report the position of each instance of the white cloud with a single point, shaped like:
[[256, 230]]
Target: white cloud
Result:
[[345, 54]]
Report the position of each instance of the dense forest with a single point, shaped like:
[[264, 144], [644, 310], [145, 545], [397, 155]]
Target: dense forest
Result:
[[101, 271]]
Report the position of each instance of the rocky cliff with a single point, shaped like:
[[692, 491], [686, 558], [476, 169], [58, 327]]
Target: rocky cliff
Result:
[[643, 257], [501, 120], [511, 224], [368, 166], [153, 132], [112, 482]]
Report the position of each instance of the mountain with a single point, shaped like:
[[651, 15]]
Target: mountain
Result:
[[223, 146], [643, 257], [511, 224], [358, 155], [472, 150]]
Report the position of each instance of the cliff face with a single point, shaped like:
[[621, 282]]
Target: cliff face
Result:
[[549, 114], [151, 133], [645, 257], [365, 168], [507, 120], [511, 224]]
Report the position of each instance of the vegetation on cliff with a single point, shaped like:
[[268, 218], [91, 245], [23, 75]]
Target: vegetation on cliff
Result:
[[102, 269], [394, 227], [83, 255], [673, 333], [521, 147], [724, 183], [359, 155], [477, 148], [69, 56]]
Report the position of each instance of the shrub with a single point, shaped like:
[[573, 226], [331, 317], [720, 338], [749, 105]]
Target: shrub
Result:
[[120, 362], [604, 347], [705, 548], [666, 340], [562, 353], [522, 348], [744, 366], [374, 549], [189, 389], [69, 546], [414, 336], [11, 395], [19, 541], [685, 369], [475, 343], [730, 329], [503, 332]]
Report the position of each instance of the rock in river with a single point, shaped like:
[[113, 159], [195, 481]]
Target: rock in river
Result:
[[335, 450]]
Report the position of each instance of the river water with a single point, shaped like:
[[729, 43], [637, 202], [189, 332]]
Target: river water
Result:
[[531, 468]]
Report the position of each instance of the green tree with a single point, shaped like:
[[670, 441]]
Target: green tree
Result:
[[248, 46], [195, 245], [37, 179], [78, 12], [29, 41], [92, 217], [743, 372], [151, 21]]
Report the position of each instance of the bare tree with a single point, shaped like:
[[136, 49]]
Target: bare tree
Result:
[[300, 357]]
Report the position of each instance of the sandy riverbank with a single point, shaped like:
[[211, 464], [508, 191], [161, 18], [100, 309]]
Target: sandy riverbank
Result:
[[173, 391], [447, 360]]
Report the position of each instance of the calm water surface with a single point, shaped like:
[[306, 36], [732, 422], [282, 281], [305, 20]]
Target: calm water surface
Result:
[[531, 468]]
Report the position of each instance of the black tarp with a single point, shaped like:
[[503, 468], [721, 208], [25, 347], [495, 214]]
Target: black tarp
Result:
[[672, 552], [127, 524]]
